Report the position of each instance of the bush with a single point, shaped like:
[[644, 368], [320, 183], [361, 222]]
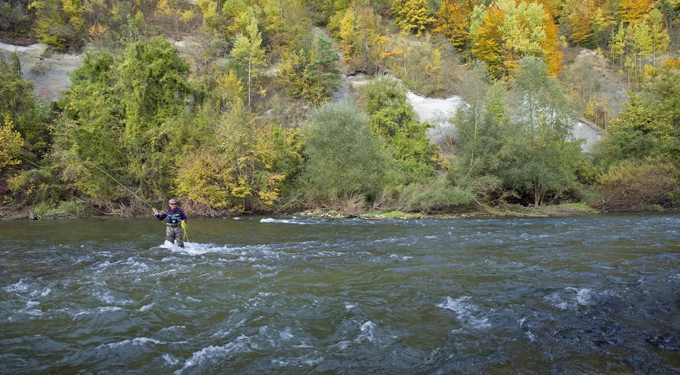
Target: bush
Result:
[[343, 159], [428, 196], [635, 185]]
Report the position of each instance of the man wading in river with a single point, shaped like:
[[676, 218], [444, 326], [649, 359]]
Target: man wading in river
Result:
[[174, 218]]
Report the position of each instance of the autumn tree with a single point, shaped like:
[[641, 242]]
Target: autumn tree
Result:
[[359, 31], [248, 54], [244, 164], [632, 11], [452, 20], [20, 105], [488, 44], [311, 73], [59, 23], [412, 15], [508, 31]]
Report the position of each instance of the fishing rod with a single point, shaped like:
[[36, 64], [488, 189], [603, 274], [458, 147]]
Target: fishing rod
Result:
[[184, 225]]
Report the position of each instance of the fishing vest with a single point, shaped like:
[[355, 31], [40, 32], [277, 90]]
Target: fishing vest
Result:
[[173, 220]]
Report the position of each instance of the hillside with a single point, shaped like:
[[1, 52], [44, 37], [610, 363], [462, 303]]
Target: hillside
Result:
[[207, 101]]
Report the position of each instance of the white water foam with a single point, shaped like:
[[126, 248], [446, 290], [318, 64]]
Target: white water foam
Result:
[[213, 353], [285, 221], [466, 313], [367, 332], [138, 341]]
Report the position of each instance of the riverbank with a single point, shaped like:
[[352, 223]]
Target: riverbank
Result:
[[69, 210]]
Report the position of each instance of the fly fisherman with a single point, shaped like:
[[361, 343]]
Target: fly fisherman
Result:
[[174, 217]]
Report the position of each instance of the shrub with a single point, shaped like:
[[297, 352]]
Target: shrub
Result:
[[343, 159], [636, 184]]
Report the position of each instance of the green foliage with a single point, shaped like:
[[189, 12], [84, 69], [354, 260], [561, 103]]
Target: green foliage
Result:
[[60, 23], [523, 151], [38, 186], [248, 53], [19, 105], [394, 120], [546, 161], [649, 123], [343, 158], [68, 209], [312, 73], [433, 195], [14, 16], [122, 115]]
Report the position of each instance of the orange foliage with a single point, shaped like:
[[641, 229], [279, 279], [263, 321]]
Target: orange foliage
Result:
[[551, 6], [551, 46], [632, 11], [452, 21]]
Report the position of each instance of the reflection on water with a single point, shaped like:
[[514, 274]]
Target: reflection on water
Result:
[[301, 295]]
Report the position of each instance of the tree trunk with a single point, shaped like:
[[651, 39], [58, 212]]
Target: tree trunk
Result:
[[248, 203]]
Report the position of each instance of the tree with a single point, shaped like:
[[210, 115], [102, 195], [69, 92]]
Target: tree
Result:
[[312, 73], [127, 116], [631, 11], [507, 31], [452, 21], [248, 52], [412, 15], [578, 14], [488, 42], [59, 23], [20, 105], [359, 31], [10, 144], [394, 119], [244, 162], [482, 132], [545, 162], [343, 158], [658, 35]]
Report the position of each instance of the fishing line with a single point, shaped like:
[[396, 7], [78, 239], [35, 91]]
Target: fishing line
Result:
[[184, 225], [121, 184]]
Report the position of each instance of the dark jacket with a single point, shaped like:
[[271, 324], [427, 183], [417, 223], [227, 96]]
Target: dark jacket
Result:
[[177, 211]]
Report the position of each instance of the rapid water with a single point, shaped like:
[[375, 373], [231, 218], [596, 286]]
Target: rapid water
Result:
[[577, 295]]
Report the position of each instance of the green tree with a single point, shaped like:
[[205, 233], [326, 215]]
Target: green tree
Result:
[[343, 158], [20, 105], [312, 73], [248, 53], [126, 115], [393, 119], [482, 128], [546, 159]]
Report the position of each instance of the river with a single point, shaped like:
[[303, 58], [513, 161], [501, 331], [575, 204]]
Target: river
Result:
[[287, 295]]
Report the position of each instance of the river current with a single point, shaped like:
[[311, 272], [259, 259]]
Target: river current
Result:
[[288, 295]]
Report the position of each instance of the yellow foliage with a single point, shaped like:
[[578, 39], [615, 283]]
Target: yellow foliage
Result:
[[10, 144], [242, 163]]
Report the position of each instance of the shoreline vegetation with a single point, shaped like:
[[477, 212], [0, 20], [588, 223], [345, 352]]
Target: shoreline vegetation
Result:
[[244, 107]]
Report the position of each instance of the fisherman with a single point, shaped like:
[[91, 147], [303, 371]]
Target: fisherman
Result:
[[174, 217]]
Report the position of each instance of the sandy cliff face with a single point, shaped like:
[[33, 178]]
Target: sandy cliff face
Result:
[[49, 71]]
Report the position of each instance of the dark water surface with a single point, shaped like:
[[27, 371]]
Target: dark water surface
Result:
[[577, 295]]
